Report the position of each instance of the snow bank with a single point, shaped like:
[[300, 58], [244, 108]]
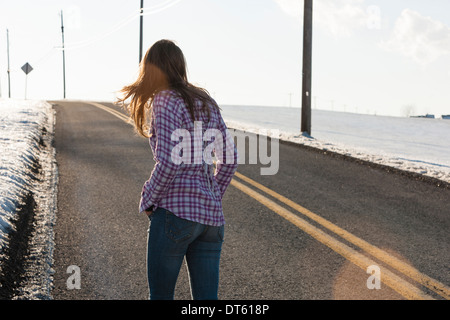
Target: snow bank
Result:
[[27, 166], [420, 146]]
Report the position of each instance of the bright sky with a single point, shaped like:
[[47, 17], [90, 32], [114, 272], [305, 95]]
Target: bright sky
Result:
[[376, 57]]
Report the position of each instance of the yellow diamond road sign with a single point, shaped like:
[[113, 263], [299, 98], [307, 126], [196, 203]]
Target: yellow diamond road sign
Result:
[[27, 68]]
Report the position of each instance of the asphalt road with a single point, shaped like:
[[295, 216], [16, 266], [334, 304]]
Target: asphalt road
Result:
[[393, 217]]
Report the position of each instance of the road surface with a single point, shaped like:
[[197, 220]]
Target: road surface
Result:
[[322, 227]]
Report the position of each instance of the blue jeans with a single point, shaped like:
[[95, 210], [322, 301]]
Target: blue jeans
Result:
[[170, 240]]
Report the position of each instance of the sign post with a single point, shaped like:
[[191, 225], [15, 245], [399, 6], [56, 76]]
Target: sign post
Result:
[[27, 68]]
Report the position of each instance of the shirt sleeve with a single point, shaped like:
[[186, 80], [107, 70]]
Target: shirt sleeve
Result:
[[165, 120], [226, 165]]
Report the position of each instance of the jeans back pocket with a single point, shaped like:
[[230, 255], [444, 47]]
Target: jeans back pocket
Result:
[[178, 229]]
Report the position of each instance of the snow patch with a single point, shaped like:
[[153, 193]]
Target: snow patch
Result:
[[27, 164]]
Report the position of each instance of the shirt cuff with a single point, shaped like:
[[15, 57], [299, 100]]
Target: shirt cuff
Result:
[[145, 206]]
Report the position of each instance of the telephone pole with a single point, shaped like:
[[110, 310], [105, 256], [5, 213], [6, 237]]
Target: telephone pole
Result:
[[141, 31], [306, 76], [0, 87], [64, 55], [9, 69]]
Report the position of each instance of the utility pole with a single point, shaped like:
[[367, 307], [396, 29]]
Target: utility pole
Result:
[[306, 76], [9, 70], [0, 86], [141, 31], [64, 55]]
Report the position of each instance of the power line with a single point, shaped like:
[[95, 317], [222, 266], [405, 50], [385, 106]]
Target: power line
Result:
[[145, 11], [77, 45]]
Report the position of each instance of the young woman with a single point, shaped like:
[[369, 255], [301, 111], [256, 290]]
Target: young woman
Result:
[[183, 197]]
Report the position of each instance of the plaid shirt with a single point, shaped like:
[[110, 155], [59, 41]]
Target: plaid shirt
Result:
[[183, 180]]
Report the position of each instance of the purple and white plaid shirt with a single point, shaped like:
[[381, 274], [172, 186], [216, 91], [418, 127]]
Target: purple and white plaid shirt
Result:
[[183, 180]]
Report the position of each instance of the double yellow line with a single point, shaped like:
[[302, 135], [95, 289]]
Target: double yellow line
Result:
[[116, 113], [403, 287]]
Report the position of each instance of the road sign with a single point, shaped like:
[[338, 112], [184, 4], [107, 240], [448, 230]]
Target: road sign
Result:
[[27, 68]]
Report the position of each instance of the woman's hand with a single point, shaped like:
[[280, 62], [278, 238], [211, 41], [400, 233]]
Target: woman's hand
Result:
[[149, 211]]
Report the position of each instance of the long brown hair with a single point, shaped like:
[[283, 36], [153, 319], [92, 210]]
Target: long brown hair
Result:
[[163, 67]]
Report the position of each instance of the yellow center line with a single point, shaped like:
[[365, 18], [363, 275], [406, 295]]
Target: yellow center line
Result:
[[399, 265], [110, 110], [399, 285], [404, 288]]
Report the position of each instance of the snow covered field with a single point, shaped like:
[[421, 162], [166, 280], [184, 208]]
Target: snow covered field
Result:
[[28, 173], [412, 144]]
